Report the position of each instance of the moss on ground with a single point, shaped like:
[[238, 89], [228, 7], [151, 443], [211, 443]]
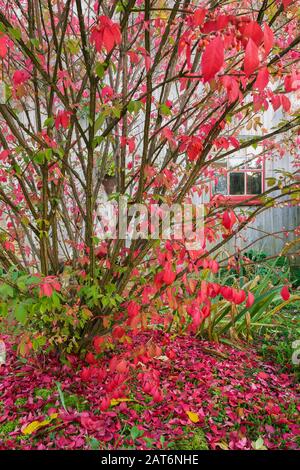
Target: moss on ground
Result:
[[76, 401], [197, 441], [43, 393], [8, 427], [20, 401]]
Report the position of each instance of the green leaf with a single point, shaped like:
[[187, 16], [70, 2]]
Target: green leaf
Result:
[[259, 444], [116, 112], [20, 313], [100, 70], [49, 122], [134, 106], [15, 33], [99, 121], [271, 182], [73, 46], [6, 291], [61, 396], [8, 92], [48, 154], [165, 110], [94, 443], [39, 158], [35, 42], [135, 432]]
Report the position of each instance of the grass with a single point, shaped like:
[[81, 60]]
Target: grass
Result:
[[192, 441], [43, 393], [277, 342], [8, 427]]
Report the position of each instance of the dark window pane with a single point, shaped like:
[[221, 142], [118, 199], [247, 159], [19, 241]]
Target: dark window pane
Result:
[[237, 183], [254, 183], [221, 185]]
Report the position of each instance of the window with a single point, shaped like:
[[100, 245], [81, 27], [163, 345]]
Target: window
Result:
[[239, 176]]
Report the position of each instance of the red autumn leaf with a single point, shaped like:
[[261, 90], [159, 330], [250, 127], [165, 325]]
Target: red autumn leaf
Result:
[[262, 79], [209, 27], [288, 83], [46, 289], [199, 16], [105, 404], [222, 22], [157, 395], [20, 77], [251, 61], [212, 59], [3, 155], [286, 104], [253, 30], [228, 219], [276, 102], [98, 342], [3, 45], [90, 358], [286, 3], [118, 332], [206, 310], [194, 148], [62, 119], [168, 275], [238, 297], [232, 88], [122, 367], [106, 34], [131, 144], [133, 309], [250, 300], [107, 92], [268, 38], [227, 292], [285, 293], [85, 374]]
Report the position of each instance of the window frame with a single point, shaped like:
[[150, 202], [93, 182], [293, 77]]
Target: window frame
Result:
[[241, 199]]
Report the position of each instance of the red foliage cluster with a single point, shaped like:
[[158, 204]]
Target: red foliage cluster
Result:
[[105, 34], [153, 382]]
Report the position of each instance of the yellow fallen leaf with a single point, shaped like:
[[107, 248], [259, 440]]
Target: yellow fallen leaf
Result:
[[193, 416], [117, 401], [223, 445], [35, 425]]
